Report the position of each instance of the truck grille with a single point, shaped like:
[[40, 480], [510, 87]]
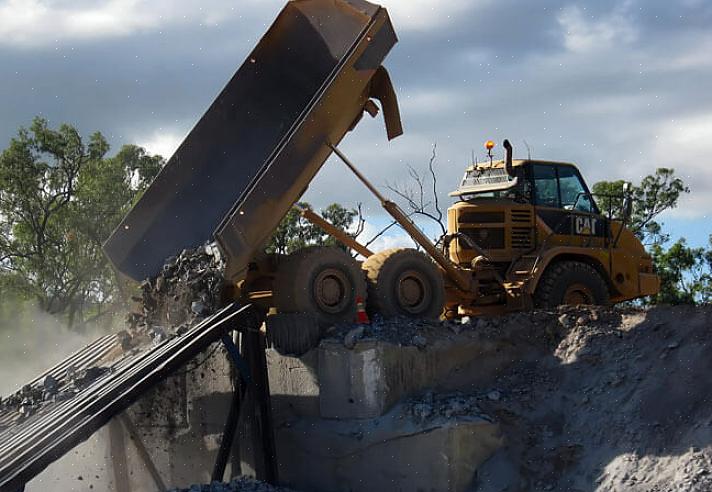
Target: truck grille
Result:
[[522, 215], [481, 217], [485, 237], [521, 237]]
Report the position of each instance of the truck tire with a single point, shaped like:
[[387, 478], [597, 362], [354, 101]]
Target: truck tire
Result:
[[404, 282], [571, 282], [324, 281], [293, 333]]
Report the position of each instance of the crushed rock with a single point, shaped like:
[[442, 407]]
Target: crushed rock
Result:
[[188, 288], [623, 402], [418, 333], [432, 407], [241, 484]]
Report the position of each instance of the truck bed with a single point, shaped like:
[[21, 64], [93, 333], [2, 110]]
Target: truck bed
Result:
[[255, 150]]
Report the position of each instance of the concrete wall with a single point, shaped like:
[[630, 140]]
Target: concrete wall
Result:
[[343, 421]]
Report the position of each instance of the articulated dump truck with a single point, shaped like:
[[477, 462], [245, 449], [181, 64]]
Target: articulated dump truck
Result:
[[522, 234]]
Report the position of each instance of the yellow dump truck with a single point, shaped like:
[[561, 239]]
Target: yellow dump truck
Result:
[[523, 233]]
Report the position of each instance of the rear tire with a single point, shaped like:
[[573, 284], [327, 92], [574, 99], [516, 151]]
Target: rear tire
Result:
[[571, 282], [324, 281], [293, 334], [404, 282]]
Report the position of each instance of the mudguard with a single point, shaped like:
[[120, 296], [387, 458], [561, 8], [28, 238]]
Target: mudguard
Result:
[[258, 146]]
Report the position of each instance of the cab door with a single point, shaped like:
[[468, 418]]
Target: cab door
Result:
[[566, 207]]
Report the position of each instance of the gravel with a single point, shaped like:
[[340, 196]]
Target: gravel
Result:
[[241, 484]]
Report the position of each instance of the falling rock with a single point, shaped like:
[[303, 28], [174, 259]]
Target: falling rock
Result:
[[352, 337], [419, 341], [494, 395], [197, 307]]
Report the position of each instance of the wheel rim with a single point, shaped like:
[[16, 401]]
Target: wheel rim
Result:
[[332, 290], [578, 294], [413, 292]]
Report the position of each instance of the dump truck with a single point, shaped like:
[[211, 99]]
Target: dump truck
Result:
[[523, 233]]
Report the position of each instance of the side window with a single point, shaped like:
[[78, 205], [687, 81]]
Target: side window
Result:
[[573, 192], [546, 192]]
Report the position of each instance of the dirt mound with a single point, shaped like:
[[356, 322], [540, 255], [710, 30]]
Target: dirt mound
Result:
[[624, 402]]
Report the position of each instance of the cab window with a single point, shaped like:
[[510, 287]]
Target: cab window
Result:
[[573, 192], [546, 192]]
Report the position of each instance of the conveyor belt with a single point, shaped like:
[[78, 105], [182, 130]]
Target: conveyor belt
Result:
[[29, 446]]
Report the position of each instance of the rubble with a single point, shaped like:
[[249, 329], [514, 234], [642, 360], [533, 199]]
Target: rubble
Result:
[[241, 484], [437, 407], [188, 289]]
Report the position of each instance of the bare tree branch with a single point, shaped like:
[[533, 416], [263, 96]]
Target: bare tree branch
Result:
[[414, 195]]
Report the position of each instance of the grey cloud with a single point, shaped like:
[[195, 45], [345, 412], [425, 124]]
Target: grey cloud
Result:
[[498, 70]]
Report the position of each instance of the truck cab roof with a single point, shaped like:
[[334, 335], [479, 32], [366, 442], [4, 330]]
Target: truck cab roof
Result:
[[487, 178]]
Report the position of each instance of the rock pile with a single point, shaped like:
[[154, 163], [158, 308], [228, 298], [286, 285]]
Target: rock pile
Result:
[[621, 403], [241, 484]]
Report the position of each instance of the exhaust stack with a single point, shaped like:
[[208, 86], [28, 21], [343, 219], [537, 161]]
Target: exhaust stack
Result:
[[508, 157]]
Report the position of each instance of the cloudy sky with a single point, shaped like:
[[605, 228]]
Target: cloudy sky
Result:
[[619, 87]]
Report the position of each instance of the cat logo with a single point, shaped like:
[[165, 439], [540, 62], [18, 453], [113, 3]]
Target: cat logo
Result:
[[585, 226]]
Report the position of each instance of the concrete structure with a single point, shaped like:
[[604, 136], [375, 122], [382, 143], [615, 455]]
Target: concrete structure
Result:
[[344, 421], [395, 452]]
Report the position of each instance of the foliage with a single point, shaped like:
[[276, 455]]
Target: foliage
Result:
[[60, 198], [685, 273], [295, 232], [655, 194]]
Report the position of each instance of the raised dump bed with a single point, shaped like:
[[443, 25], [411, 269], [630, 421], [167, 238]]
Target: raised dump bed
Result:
[[255, 150]]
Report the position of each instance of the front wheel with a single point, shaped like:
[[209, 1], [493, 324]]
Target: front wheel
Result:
[[404, 282], [573, 283]]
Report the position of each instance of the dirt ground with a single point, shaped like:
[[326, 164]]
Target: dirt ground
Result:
[[595, 399], [623, 402]]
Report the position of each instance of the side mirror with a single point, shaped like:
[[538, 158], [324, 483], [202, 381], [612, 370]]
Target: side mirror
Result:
[[627, 202]]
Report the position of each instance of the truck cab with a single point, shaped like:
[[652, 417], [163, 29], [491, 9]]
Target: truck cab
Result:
[[531, 232]]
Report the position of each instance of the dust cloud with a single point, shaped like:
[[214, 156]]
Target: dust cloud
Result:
[[32, 341]]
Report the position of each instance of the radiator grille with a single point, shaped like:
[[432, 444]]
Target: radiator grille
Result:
[[521, 237], [481, 217], [522, 215], [485, 237]]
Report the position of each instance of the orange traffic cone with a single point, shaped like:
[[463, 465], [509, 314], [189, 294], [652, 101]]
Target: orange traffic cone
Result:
[[361, 316]]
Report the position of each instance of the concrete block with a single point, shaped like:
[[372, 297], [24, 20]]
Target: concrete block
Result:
[[294, 385], [333, 381], [393, 452]]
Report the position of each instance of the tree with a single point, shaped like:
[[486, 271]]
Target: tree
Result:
[[417, 193], [60, 198], [685, 273], [655, 194], [295, 232]]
